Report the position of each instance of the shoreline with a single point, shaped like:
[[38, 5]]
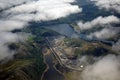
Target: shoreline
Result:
[[47, 67]]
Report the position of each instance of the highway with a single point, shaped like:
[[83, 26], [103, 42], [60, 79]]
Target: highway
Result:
[[54, 53]]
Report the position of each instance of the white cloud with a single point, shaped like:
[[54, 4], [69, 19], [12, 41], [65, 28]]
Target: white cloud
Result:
[[46, 9], [104, 23], [107, 68], [103, 34], [9, 25], [23, 18], [97, 22], [5, 39], [116, 47], [9, 3], [108, 4], [5, 53]]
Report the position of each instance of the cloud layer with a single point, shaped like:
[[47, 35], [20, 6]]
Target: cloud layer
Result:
[[106, 25], [44, 9], [105, 33], [108, 68], [18, 13], [108, 4], [98, 22], [116, 47]]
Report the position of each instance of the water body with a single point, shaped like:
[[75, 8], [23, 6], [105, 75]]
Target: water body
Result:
[[52, 73], [63, 29]]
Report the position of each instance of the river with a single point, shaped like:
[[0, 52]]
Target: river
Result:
[[51, 72]]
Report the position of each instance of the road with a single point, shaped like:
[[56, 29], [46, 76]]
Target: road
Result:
[[59, 58]]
